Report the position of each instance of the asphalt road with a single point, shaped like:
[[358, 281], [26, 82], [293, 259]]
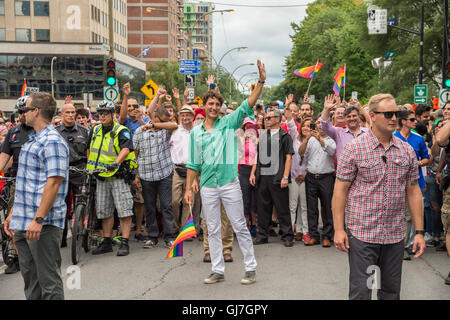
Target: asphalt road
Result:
[[298, 273]]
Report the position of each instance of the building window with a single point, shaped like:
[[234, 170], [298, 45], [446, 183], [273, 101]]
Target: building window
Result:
[[23, 35], [42, 35], [2, 7], [41, 9], [2, 34], [22, 8]]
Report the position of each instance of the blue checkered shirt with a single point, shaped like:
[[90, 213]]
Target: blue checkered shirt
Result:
[[45, 155]]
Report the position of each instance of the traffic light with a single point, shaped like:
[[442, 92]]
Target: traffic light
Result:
[[447, 75], [111, 72]]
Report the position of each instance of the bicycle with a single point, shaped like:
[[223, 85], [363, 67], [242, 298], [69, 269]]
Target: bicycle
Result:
[[84, 218], [8, 250]]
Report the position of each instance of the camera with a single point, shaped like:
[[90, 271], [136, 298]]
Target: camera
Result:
[[212, 86], [312, 126]]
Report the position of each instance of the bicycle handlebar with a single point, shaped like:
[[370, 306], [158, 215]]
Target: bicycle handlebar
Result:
[[90, 172]]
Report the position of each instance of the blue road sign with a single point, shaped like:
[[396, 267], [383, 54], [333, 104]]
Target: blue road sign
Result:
[[195, 54], [190, 70], [190, 63]]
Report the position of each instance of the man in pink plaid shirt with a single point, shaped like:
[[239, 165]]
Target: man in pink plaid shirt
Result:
[[376, 179]]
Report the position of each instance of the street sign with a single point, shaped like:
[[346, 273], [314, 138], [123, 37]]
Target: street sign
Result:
[[420, 93], [31, 90], [195, 54], [191, 94], [377, 21], [149, 89], [198, 100], [190, 66], [312, 98], [189, 80], [111, 93], [444, 96]]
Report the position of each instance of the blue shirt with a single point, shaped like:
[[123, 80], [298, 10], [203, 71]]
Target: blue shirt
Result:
[[420, 147], [133, 125], [45, 155]]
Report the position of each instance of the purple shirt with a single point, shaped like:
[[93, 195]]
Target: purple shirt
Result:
[[298, 167], [341, 136]]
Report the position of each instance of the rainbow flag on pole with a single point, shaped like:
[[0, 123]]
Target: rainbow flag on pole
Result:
[[188, 231], [24, 88], [339, 80], [309, 72]]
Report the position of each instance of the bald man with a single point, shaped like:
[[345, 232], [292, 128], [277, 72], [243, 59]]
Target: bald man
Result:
[[77, 137]]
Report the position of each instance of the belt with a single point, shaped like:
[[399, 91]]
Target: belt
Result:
[[319, 176], [180, 165]]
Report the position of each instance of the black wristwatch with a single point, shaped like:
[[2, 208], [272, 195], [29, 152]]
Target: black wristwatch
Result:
[[422, 232], [39, 220]]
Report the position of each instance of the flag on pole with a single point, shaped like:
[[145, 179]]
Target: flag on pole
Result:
[[188, 231], [24, 88], [146, 52], [309, 72], [339, 80]]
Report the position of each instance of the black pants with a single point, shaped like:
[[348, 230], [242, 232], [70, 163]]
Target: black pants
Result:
[[319, 189], [150, 189], [368, 261], [269, 194], [248, 192]]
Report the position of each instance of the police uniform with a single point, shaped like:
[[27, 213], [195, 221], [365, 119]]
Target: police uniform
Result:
[[12, 145], [112, 190]]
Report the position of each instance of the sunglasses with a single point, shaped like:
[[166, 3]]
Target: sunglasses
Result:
[[270, 118], [413, 119], [2, 122], [135, 106], [103, 113], [389, 114], [25, 110]]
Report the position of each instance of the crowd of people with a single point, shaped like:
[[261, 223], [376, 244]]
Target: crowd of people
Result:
[[256, 172]]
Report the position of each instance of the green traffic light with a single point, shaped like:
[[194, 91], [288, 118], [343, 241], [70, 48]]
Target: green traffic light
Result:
[[111, 81], [447, 83]]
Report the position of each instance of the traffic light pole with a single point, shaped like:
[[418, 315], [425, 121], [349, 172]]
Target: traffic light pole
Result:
[[445, 45], [111, 29]]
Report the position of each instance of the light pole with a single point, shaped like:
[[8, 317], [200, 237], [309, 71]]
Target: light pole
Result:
[[247, 74], [231, 76], [237, 48], [51, 72]]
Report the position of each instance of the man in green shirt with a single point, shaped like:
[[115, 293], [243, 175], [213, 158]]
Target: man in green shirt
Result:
[[213, 152]]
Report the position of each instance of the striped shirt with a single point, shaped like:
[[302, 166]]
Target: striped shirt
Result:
[[45, 155], [376, 200]]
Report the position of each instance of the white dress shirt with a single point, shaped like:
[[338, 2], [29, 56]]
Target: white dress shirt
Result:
[[320, 160], [179, 145]]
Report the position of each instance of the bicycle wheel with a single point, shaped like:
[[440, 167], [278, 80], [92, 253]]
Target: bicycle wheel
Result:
[[77, 233]]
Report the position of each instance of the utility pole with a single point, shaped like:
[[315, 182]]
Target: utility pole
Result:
[[445, 44], [422, 23], [111, 29]]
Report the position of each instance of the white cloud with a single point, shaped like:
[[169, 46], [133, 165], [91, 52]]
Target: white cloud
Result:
[[265, 31]]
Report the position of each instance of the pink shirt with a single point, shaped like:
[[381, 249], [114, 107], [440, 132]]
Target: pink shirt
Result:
[[247, 147]]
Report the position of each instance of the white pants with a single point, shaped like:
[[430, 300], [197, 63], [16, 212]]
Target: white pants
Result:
[[297, 199], [231, 197]]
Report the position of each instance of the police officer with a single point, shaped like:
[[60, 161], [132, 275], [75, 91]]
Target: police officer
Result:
[[111, 148], [77, 138], [14, 140]]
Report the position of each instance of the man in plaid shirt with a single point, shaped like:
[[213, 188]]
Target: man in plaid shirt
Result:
[[376, 178], [39, 205]]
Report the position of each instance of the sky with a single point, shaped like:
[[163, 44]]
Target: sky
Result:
[[265, 31]]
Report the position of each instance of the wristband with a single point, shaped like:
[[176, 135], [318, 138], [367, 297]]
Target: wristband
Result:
[[262, 82], [284, 177], [422, 232]]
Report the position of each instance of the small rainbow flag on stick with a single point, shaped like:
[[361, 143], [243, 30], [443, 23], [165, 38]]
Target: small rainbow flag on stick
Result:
[[339, 81], [309, 72], [24, 88], [188, 231]]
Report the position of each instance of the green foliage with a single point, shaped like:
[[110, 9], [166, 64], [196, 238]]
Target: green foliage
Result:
[[335, 33]]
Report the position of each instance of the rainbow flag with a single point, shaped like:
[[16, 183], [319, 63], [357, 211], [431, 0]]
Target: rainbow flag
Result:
[[309, 72], [339, 80], [188, 231], [24, 88]]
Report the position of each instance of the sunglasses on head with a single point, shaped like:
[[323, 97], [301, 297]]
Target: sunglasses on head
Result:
[[389, 114]]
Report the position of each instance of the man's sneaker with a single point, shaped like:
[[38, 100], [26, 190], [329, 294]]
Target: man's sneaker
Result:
[[124, 249], [169, 243], [288, 243], [141, 238], [214, 277], [447, 280], [103, 248], [150, 244], [117, 240], [249, 278], [306, 237], [441, 247]]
